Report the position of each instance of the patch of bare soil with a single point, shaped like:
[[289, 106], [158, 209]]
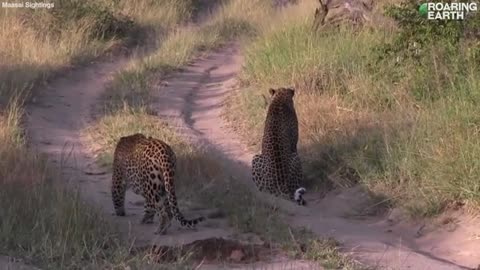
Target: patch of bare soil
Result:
[[220, 253], [193, 101], [213, 250]]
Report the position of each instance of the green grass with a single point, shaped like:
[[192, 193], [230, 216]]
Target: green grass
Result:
[[406, 129]]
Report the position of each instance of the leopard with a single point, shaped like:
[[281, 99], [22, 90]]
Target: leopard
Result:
[[278, 169], [147, 166]]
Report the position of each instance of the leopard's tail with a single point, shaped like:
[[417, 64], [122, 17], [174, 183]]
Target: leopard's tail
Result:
[[168, 176], [298, 196]]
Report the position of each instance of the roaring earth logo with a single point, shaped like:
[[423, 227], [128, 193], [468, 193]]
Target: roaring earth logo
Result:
[[447, 11]]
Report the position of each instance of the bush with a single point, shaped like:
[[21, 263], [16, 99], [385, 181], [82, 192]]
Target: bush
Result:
[[416, 32]]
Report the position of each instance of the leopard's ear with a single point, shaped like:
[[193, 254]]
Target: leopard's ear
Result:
[[271, 91]]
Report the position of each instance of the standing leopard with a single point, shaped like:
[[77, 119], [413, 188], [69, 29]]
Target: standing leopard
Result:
[[278, 169], [147, 165]]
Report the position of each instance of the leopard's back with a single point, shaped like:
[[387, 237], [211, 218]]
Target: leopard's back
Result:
[[277, 169], [147, 165]]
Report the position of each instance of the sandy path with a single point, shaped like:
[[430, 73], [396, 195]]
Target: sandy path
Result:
[[193, 101]]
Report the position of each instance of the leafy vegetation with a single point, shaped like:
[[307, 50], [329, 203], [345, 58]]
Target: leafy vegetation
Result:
[[402, 126], [416, 32]]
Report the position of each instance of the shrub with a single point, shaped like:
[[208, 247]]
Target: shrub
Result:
[[416, 32]]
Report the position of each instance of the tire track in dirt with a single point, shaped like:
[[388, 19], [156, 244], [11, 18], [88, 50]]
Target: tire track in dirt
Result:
[[193, 100]]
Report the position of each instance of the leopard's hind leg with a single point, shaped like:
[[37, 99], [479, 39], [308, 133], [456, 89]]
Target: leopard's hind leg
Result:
[[165, 214], [149, 210], [258, 172], [118, 189], [150, 195]]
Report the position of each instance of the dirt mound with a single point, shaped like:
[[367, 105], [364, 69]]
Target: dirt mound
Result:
[[213, 250]]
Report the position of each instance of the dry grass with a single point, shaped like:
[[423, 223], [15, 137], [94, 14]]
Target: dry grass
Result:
[[159, 14], [35, 45], [407, 131], [41, 220]]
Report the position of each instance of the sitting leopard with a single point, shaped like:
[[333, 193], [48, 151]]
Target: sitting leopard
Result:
[[278, 169], [148, 166]]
